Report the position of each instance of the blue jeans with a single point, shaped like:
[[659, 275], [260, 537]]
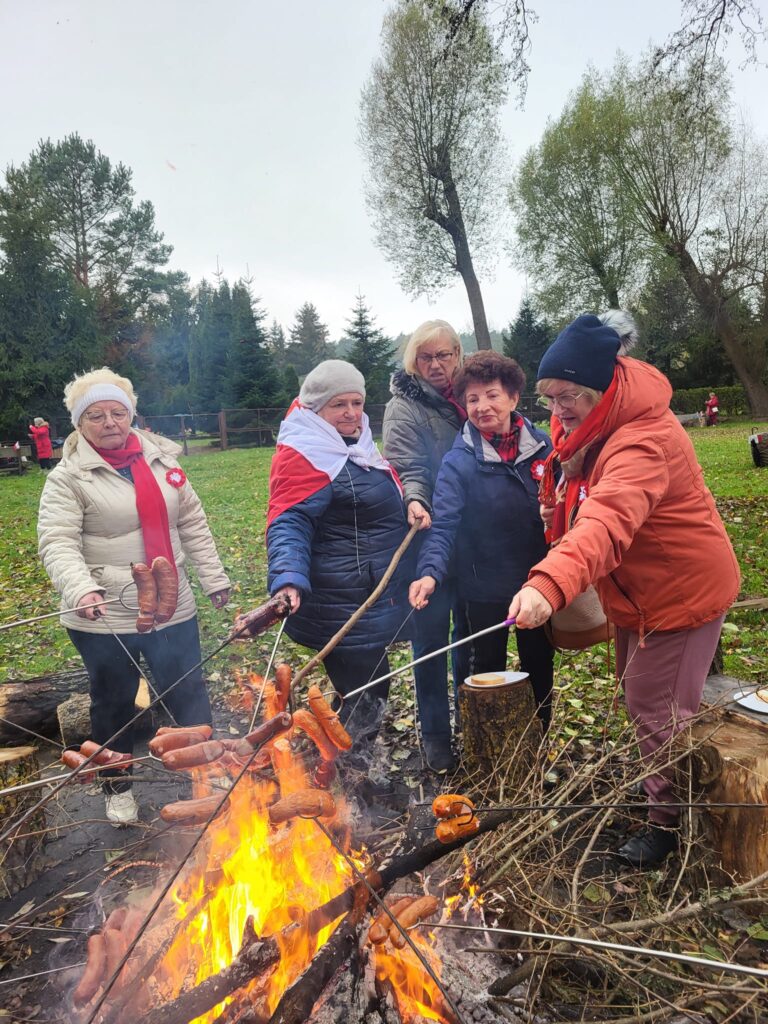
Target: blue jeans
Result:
[[431, 627]]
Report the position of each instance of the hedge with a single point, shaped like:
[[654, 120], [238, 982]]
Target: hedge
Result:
[[733, 400]]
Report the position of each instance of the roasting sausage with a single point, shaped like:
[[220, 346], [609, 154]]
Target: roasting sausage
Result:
[[258, 621], [116, 945], [117, 918], [282, 758], [451, 805], [194, 756], [324, 774], [177, 739], [328, 719], [283, 679], [192, 812], [379, 930], [167, 580], [307, 722], [451, 829], [415, 912], [168, 730], [269, 729], [307, 803], [72, 759], [95, 969], [106, 756]]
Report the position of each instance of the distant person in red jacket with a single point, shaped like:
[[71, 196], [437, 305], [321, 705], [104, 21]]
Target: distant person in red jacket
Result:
[[711, 409], [41, 436]]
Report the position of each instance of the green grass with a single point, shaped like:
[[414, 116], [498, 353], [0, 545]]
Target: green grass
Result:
[[233, 488]]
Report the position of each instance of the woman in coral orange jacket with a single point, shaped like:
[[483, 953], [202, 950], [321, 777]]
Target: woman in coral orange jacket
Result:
[[627, 508]]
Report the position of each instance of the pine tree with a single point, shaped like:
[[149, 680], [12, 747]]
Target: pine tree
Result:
[[370, 351], [253, 378], [309, 341], [209, 347], [276, 344], [528, 340]]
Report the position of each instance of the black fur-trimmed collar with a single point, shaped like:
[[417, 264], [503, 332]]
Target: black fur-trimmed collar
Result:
[[408, 386]]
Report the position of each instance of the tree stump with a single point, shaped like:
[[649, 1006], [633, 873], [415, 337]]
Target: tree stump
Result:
[[728, 763], [22, 861], [74, 716], [501, 733]]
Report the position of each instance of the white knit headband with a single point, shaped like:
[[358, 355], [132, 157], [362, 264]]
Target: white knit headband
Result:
[[100, 393]]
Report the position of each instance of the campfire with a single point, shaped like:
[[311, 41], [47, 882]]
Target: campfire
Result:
[[275, 865]]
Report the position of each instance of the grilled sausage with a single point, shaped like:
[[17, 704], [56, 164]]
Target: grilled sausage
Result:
[[116, 945], [72, 759], [194, 756], [379, 930], [145, 623], [283, 678], [192, 812], [451, 805], [307, 722], [258, 621], [415, 912], [167, 580], [168, 730], [95, 970], [451, 829], [146, 588], [324, 774], [307, 803], [328, 719], [177, 739], [106, 756], [269, 729]]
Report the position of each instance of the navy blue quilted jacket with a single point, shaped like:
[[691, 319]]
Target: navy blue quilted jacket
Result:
[[486, 512], [334, 547]]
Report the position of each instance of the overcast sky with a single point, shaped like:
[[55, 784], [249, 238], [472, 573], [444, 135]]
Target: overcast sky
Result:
[[239, 120]]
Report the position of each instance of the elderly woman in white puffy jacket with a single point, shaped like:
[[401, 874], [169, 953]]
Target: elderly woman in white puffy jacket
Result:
[[119, 497]]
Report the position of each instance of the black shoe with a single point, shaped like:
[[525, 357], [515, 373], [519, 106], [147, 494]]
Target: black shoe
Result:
[[648, 848], [438, 754]]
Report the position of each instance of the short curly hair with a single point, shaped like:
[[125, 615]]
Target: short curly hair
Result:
[[485, 367]]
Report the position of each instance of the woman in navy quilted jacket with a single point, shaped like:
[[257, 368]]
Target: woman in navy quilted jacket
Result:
[[486, 507], [336, 517]]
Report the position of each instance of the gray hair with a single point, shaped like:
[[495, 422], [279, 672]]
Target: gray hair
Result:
[[625, 326]]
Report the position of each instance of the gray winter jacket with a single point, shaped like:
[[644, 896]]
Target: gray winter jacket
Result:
[[420, 426]]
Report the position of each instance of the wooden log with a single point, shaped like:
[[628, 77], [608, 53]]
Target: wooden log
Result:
[[21, 862], [32, 703], [500, 725], [728, 763]]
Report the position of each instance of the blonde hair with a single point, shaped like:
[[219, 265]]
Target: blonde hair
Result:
[[82, 383], [591, 393], [424, 333]]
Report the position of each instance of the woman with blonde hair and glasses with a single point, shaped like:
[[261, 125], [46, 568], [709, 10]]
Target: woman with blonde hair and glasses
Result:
[[421, 422], [627, 510], [118, 497]]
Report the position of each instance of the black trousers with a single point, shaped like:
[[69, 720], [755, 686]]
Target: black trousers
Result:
[[114, 681], [489, 653], [350, 668]]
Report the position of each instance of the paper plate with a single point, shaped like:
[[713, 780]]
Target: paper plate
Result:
[[751, 701], [509, 677]]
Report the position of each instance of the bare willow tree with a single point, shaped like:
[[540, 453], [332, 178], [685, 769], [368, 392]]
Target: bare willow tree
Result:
[[429, 128], [699, 185], [576, 232]]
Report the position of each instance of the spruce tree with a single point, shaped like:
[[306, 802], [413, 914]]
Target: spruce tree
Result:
[[276, 344], [527, 341], [253, 378], [309, 341], [370, 351]]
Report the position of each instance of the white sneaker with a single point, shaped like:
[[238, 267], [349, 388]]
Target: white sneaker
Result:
[[122, 809]]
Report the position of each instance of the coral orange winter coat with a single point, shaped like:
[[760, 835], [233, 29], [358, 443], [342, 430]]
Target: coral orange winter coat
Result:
[[648, 534]]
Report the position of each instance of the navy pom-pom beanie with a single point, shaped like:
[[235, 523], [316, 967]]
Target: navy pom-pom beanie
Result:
[[583, 352]]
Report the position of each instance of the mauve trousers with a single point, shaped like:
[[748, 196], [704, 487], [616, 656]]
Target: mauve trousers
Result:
[[663, 683]]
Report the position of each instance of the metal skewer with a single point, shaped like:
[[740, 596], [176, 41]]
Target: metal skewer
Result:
[[425, 657], [662, 954], [52, 780], [51, 615], [266, 674]]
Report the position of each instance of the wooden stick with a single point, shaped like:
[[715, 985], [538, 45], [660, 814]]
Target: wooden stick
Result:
[[356, 615]]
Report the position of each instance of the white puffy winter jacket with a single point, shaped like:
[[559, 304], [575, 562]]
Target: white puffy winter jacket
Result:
[[89, 533]]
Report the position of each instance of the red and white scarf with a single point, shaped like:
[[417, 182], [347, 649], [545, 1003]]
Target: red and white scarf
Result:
[[311, 453]]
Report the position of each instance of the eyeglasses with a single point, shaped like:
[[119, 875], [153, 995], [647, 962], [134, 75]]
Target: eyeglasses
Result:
[[441, 357], [564, 401], [119, 416]]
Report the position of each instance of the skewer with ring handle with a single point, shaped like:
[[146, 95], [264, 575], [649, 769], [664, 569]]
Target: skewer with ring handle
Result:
[[425, 657], [70, 611]]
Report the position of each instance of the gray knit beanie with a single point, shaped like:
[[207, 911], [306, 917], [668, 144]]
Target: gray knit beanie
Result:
[[328, 379]]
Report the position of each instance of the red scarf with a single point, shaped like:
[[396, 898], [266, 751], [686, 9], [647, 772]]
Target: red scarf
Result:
[[507, 445], [150, 503], [568, 454], [448, 395]]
